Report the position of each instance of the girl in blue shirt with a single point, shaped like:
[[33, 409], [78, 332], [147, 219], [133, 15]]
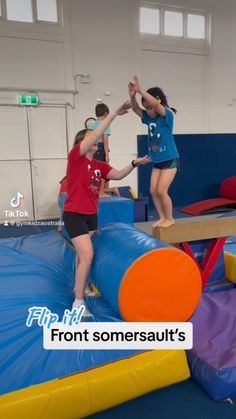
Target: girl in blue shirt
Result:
[[162, 149]]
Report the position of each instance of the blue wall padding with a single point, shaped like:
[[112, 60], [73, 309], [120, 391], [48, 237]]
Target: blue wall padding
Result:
[[116, 247], [205, 161], [115, 210]]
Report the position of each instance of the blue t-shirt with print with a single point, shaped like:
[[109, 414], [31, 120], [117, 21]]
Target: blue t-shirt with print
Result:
[[94, 124], [161, 144]]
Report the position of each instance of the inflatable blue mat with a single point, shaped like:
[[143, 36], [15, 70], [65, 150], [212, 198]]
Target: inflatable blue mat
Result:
[[39, 271]]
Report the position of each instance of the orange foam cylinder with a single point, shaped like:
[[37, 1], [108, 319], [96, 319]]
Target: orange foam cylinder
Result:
[[142, 278]]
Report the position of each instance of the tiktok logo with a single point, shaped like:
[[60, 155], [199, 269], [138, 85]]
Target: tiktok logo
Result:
[[16, 200]]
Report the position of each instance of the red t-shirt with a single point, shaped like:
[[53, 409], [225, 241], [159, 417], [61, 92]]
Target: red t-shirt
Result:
[[63, 187], [83, 182]]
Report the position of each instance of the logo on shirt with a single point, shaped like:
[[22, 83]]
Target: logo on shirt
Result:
[[95, 179], [154, 138], [152, 128], [97, 172], [155, 142]]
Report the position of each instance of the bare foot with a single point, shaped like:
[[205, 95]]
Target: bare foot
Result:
[[158, 223], [167, 223]]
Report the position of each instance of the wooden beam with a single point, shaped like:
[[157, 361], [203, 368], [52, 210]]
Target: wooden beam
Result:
[[192, 228]]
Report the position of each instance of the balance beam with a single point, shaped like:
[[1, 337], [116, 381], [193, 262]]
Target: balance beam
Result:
[[191, 229]]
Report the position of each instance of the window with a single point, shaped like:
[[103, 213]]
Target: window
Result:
[[47, 10], [167, 21], [20, 11], [33, 11], [149, 20], [32, 19], [173, 23], [196, 26]]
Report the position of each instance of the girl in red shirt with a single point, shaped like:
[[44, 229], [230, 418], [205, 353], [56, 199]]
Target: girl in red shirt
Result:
[[84, 175]]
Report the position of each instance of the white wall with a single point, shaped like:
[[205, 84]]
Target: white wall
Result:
[[101, 38], [184, 79], [103, 45], [222, 69], [106, 44]]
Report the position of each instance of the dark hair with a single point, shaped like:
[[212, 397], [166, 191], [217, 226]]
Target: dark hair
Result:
[[101, 109], [80, 136], [90, 118], [158, 94]]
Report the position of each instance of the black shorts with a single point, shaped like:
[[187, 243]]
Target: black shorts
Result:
[[100, 153], [169, 164], [79, 224]]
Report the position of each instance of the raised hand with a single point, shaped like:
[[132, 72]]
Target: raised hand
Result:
[[137, 84], [143, 160], [123, 109], [132, 91]]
